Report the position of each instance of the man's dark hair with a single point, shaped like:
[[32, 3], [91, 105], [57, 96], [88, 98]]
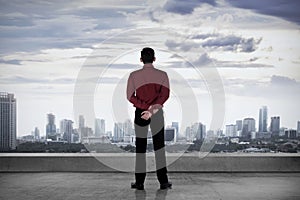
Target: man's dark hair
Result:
[[147, 55]]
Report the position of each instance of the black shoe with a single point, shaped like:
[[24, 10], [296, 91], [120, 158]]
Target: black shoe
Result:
[[137, 186], [167, 185]]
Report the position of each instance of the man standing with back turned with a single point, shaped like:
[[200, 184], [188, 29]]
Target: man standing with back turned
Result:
[[148, 89]]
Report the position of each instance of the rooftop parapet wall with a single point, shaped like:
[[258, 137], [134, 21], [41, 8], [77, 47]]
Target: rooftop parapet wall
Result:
[[114, 162]]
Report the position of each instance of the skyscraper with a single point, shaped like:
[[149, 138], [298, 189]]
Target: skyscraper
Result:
[[36, 133], [275, 126], [99, 127], [231, 130], [298, 128], [248, 127], [66, 128], [51, 127], [239, 125], [176, 126], [263, 119], [81, 121], [8, 120], [198, 130]]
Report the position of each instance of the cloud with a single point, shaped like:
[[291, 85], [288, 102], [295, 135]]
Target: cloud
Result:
[[183, 46], [288, 10], [283, 81], [232, 43], [277, 87], [185, 7], [216, 42]]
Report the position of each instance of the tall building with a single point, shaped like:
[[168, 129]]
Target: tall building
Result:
[[66, 129], [239, 125], [118, 132], [99, 127], [248, 127], [176, 126], [36, 133], [170, 135], [275, 126], [231, 130], [128, 128], [81, 121], [263, 119], [198, 130], [8, 122], [298, 128], [51, 127]]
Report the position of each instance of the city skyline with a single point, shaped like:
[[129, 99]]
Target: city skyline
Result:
[[253, 47], [102, 124]]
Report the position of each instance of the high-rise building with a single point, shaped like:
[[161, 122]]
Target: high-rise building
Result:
[[66, 129], [275, 126], [298, 128], [290, 133], [51, 127], [263, 119], [118, 132], [36, 133], [176, 126], [231, 130], [248, 127], [239, 125], [99, 127], [170, 134], [8, 122], [81, 121], [198, 130], [128, 128]]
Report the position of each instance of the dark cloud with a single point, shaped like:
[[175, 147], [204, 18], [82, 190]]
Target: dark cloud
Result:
[[232, 43], [11, 62], [216, 41], [185, 7], [286, 9]]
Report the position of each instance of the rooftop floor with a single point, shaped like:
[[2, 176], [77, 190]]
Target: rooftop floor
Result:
[[74, 185]]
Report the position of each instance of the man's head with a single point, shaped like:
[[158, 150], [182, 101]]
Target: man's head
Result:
[[147, 55]]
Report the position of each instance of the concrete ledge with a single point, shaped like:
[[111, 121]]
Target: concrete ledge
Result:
[[116, 162]]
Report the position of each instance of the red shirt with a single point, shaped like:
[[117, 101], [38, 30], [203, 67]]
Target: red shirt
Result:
[[148, 86]]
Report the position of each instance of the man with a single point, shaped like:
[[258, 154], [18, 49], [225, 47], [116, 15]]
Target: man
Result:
[[148, 89]]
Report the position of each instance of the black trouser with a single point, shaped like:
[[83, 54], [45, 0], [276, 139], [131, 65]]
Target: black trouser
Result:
[[141, 126]]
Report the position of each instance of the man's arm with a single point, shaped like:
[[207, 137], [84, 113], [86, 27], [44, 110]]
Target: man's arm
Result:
[[162, 97], [131, 93]]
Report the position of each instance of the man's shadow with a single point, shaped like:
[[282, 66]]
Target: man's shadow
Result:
[[160, 194]]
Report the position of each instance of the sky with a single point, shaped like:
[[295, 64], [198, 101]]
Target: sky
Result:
[[54, 54]]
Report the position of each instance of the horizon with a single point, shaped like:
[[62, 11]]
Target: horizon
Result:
[[252, 46]]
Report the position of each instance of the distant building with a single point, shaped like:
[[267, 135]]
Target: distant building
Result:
[[282, 131], [275, 126], [8, 122], [263, 119], [51, 127], [291, 133], [239, 125], [231, 130], [298, 128], [198, 130], [170, 135], [36, 133], [99, 127], [118, 132], [248, 128], [81, 122], [176, 126], [66, 129]]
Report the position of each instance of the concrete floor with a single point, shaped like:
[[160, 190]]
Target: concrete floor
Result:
[[73, 186]]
